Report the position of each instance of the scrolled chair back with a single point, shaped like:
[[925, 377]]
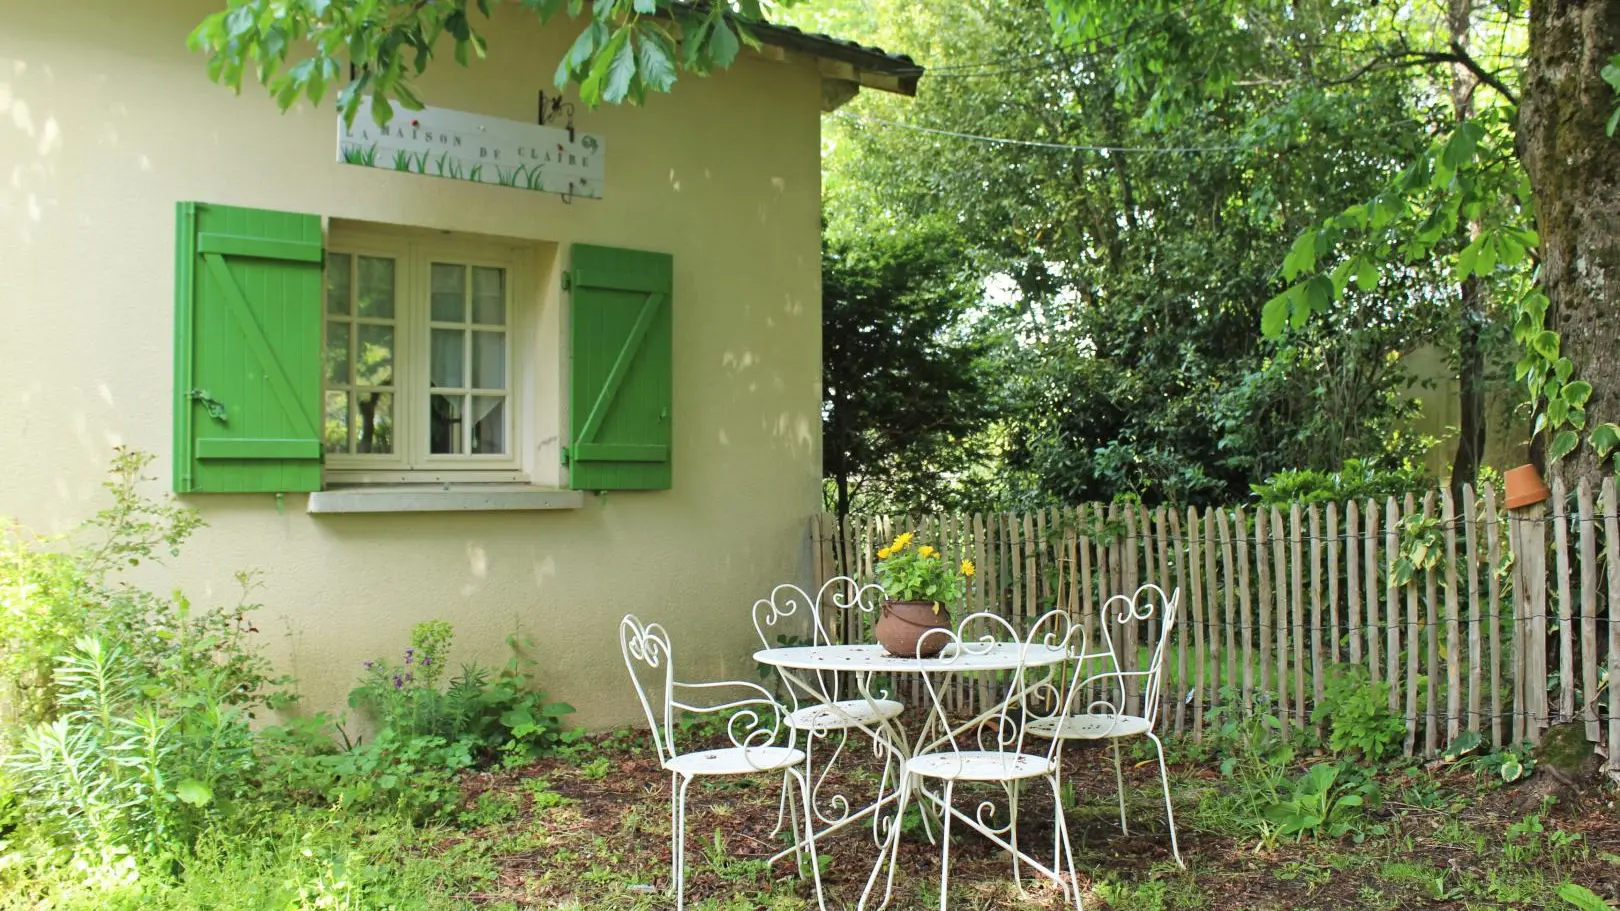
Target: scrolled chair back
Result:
[[651, 663], [1122, 618], [1033, 686], [756, 719], [790, 609]]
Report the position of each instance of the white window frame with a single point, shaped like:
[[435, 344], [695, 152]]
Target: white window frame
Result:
[[413, 253]]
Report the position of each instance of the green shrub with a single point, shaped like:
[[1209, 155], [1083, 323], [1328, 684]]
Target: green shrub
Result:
[[53, 591], [1358, 716], [123, 768], [489, 714], [1327, 801], [1357, 480], [425, 734], [130, 711]]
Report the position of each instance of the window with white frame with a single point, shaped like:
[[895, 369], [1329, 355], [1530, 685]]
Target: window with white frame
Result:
[[420, 359]]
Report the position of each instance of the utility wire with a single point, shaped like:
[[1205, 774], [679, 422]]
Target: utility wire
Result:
[[1033, 144]]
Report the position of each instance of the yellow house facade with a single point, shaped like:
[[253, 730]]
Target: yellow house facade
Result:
[[400, 396]]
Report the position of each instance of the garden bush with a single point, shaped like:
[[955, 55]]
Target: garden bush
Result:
[[1356, 711], [1357, 480], [130, 743]]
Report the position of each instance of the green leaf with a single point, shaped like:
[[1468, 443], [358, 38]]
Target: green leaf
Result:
[[580, 53], [1562, 445], [1511, 769], [1577, 392], [1546, 344], [723, 45], [590, 89], [655, 60], [1301, 256], [381, 110], [1583, 898], [193, 792], [1367, 276], [646, 7], [622, 71], [1467, 260], [1274, 316], [1605, 437], [1319, 293]]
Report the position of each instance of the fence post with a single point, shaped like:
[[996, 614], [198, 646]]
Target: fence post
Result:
[[1527, 536]]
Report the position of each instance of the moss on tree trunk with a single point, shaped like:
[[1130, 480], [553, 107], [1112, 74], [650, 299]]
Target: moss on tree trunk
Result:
[[1574, 169]]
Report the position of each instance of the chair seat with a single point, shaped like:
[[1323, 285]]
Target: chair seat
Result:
[[978, 765], [1090, 727], [735, 761], [848, 713]]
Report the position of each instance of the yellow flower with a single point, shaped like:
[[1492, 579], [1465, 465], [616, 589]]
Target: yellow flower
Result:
[[884, 554], [967, 568], [901, 543], [926, 551]]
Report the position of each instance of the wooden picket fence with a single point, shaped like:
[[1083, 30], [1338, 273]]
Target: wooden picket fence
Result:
[[1476, 619]]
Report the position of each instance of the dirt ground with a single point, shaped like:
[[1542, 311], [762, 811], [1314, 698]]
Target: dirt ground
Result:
[[592, 831]]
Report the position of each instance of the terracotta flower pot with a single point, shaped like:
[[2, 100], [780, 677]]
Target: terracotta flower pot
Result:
[[902, 623], [1525, 487]]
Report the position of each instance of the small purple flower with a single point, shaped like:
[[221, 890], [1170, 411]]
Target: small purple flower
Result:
[[408, 653], [370, 665], [426, 661], [398, 683], [409, 679]]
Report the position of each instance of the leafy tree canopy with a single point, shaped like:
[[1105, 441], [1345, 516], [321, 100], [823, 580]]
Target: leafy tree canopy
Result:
[[305, 48]]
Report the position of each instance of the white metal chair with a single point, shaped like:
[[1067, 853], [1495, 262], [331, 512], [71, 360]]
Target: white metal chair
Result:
[[1112, 714], [761, 742], [831, 710], [995, 753]]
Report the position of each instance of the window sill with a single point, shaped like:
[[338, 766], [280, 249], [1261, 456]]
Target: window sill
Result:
[[443, 498]]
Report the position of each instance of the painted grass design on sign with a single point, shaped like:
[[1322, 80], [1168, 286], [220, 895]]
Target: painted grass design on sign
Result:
[[456, 145]]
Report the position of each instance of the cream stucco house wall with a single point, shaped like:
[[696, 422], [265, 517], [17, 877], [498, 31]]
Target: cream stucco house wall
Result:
[[107, 123]]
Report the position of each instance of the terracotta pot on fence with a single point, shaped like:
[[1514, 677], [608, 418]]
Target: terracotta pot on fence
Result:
[[1524, 487], [902, 623]]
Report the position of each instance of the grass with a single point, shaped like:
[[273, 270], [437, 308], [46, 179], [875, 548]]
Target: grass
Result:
[[359, 154], [592, 831]]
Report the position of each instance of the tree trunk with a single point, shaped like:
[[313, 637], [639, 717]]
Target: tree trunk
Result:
[[842, 507], [1470, 359], [1574, 170], [1471, 389]]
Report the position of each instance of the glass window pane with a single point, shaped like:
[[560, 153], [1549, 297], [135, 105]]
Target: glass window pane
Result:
[[376, 287], [335, 429], [489, 296], [374, 422], [489, 360], [374, 355], [444, 427], [337, 353], [489, 425], [338, 267], [449, 293], [448, 359]]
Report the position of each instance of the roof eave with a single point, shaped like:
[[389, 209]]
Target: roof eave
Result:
[[847, 61]]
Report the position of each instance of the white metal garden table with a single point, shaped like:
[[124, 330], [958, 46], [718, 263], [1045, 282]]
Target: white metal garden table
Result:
[[803, 666]]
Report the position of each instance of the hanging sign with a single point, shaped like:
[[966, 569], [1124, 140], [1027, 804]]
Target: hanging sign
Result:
[[437, 142]]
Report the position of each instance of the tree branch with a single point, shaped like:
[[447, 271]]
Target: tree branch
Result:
[[1469, 63], [1408, 57]]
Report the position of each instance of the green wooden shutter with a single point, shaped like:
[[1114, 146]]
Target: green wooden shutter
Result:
[[621, 343], [247, 396]]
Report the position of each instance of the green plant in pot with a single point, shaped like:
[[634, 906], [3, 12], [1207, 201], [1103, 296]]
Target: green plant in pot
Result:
[[919, 583]]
